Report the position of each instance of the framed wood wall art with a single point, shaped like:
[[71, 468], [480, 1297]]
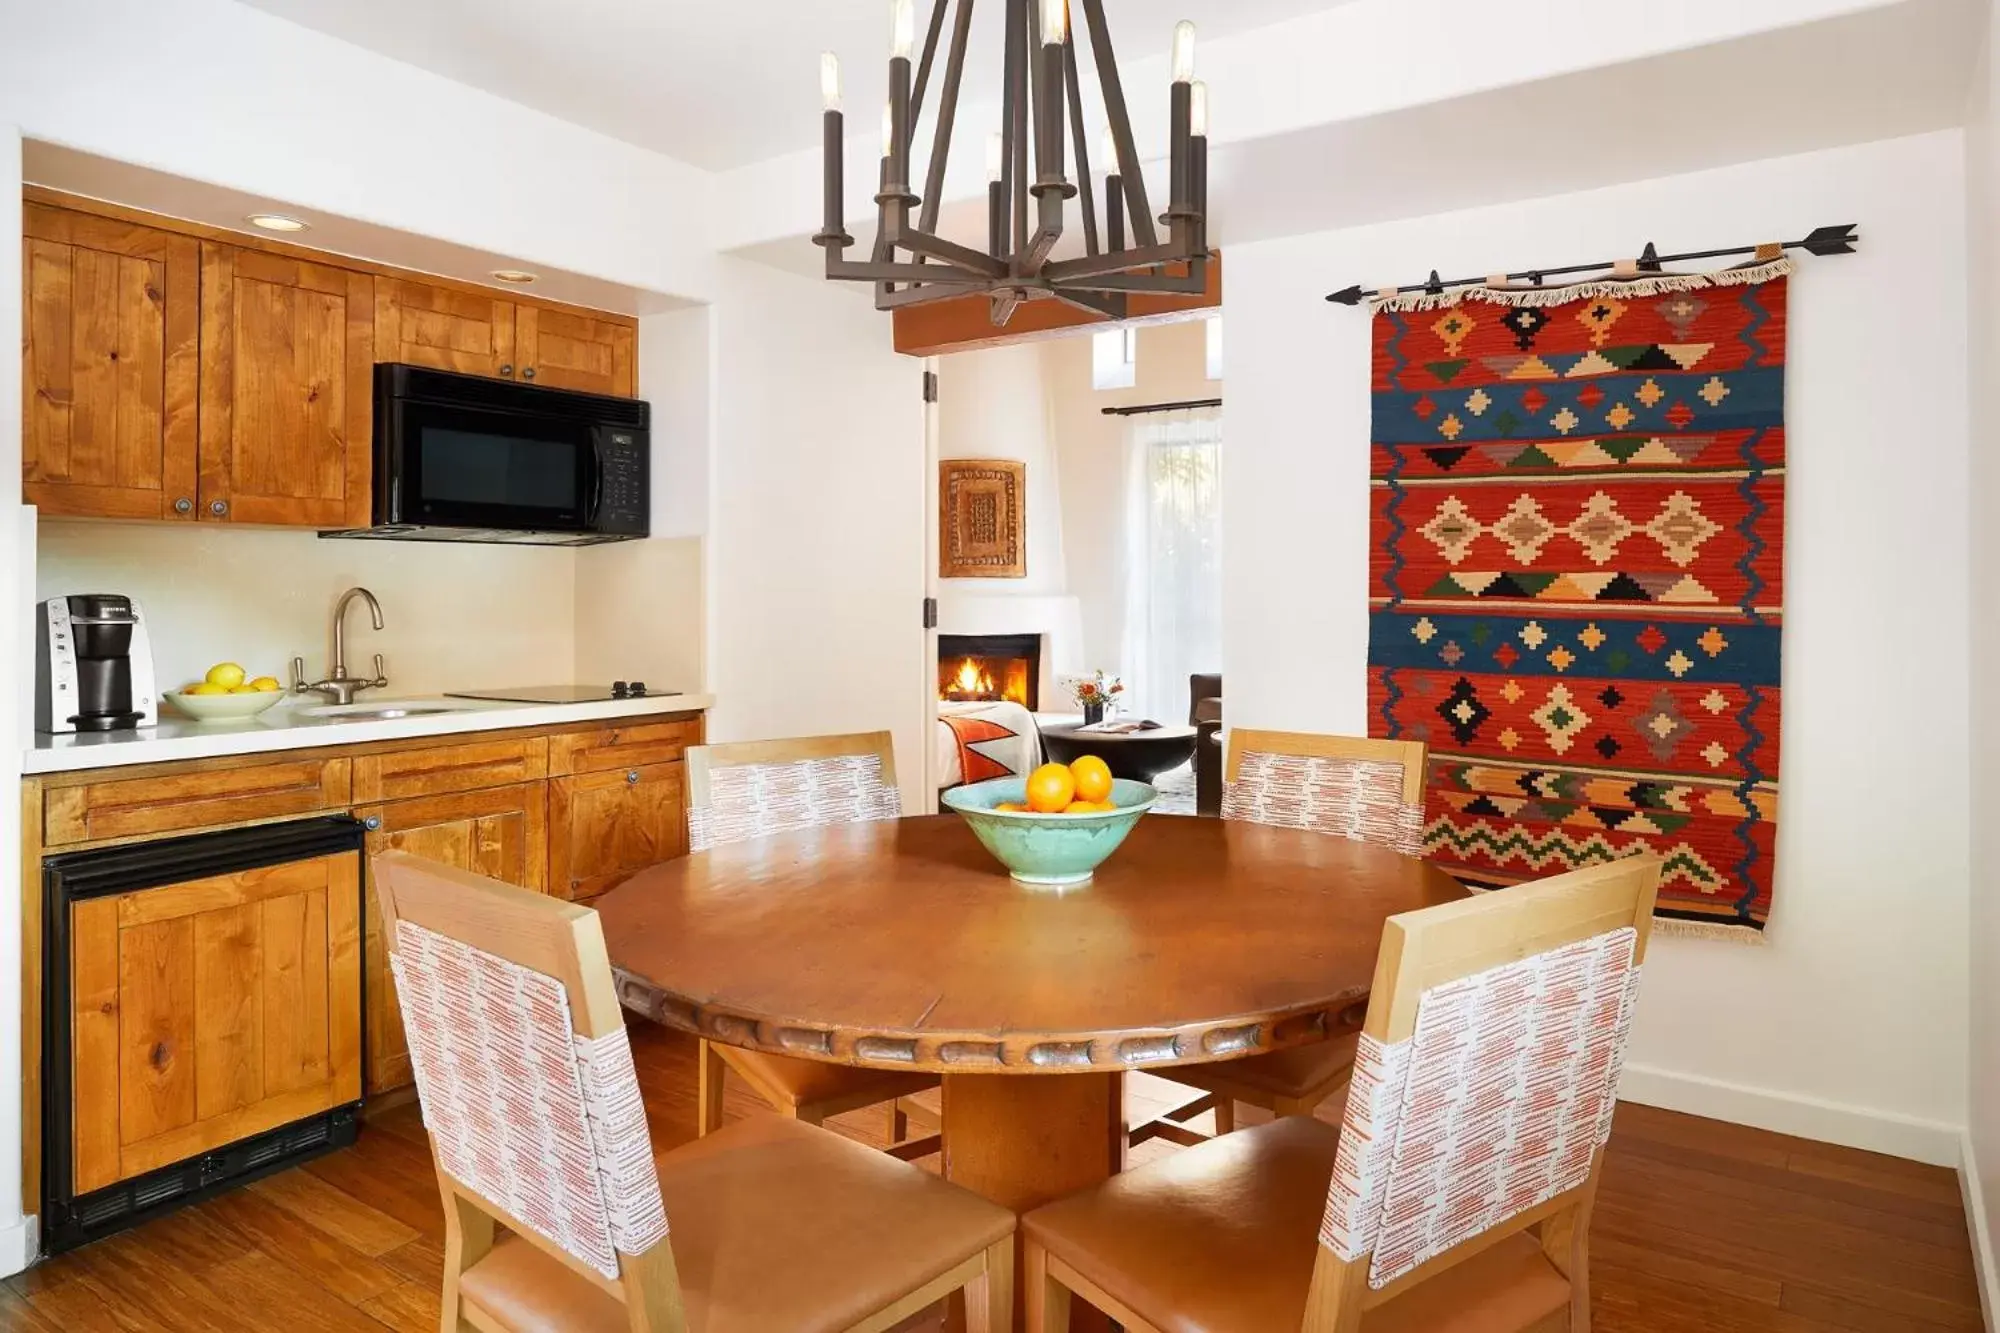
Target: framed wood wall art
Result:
[[981, 518]]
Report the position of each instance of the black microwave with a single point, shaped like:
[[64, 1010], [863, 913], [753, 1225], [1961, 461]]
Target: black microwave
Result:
[[466, 459]]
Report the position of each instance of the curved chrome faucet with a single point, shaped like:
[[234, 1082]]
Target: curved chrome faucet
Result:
[[338, 685]]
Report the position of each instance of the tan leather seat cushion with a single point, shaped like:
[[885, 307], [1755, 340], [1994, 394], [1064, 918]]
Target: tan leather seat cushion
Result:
[[1222, 1238], [805, 1081], [774, 1225], [1297, 1071]]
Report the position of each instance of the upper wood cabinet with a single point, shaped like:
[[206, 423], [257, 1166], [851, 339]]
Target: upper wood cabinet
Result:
[[109, 360], [287, 396], [565, 350], [422, 325], [207, 1011]]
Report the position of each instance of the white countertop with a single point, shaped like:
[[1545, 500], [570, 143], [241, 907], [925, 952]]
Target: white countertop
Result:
[[290, 726]]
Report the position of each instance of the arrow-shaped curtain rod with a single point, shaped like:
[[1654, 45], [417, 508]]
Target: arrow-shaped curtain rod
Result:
[[1819, 241]]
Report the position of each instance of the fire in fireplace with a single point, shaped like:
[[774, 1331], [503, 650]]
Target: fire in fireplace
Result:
[[990, 666]]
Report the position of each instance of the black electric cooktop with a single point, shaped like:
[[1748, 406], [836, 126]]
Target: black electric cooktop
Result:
[[565, 694]]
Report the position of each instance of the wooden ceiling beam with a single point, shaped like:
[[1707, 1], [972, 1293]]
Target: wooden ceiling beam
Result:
[[965, 323]]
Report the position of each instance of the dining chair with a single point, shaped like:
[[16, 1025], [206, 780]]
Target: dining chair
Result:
[[1350, 787], [758, 788], [555, 1206], [1455, 1195]]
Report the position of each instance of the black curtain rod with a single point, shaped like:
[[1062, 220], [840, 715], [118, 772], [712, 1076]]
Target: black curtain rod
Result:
[[1819, 241], [1142, 410]]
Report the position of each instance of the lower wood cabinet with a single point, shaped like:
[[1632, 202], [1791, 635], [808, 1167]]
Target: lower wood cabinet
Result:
[[605, 825], [501, 833], [207, 1011]]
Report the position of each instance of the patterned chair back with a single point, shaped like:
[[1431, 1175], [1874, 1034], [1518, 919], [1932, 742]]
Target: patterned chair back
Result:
[[1368, 790], [1485, 1083], [758, 788], [525, 1074]]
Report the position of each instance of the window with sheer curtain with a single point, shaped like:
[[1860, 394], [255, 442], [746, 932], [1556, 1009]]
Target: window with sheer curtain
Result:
[[1173, 526]]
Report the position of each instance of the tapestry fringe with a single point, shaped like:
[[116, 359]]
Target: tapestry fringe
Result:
[[1650, 285], [1720, 931]]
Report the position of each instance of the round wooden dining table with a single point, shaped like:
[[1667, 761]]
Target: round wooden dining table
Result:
[[903, 944]]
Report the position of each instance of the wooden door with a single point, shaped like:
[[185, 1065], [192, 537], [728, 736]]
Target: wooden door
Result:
[[287, 407], [206, 1011], [110, 319], [567, 350], [501, 833], [421, 325], [605, 825]]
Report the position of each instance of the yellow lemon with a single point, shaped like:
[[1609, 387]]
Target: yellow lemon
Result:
[[204, 687], [266, 684], [244, 689], [226, 674]]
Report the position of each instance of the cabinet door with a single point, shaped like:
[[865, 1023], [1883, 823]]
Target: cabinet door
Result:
[[288, 353], [110, 317], [563, 350], [209, 1010], [421, 325], [501, 833], [604, 826]]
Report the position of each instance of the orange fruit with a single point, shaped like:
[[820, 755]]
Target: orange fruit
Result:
[[1093, 779], [1086, 808], [1051, 789], [1012, 807]]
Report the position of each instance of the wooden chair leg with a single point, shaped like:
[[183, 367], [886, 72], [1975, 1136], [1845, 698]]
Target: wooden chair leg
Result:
[[708, 1113], [989, 1298], [1047, 1299], [468, 1237], [1225, 1116]]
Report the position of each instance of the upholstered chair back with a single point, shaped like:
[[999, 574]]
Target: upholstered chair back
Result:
[[759, 788], [1485, 1083], [1368, 790], [525, 1074]]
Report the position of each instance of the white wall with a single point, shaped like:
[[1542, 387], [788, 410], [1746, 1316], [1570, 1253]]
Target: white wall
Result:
[[17, 1239], [816, 574], [1982, 1146], [993, 403], [1849, 1023], [1090, 449]]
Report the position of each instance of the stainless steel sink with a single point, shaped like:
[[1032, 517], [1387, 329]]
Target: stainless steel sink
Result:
[[386, 713]]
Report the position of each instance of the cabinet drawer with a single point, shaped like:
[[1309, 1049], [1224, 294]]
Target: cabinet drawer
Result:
[[622, 747], [136, 807], [437, 770]]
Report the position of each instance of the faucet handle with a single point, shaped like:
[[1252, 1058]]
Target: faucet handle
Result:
[[381, 673], [299, 685]]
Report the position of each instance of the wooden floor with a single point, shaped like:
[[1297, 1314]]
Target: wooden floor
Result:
[[1700, 1226]]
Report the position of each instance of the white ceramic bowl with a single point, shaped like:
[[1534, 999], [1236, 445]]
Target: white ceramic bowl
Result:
[[223, 707]]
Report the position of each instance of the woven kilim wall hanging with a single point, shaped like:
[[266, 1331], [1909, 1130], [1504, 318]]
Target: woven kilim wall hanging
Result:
[[1576, 578]]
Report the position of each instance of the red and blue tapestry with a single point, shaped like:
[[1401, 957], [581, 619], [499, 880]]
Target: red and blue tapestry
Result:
[[1576, 578]]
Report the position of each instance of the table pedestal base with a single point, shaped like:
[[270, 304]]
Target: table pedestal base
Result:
[[1026, 1140]]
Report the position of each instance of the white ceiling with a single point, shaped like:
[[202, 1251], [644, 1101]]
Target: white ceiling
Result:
[[716, 84]]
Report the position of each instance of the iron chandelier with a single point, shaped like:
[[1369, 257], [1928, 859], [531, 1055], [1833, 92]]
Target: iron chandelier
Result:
[[1040, 68]]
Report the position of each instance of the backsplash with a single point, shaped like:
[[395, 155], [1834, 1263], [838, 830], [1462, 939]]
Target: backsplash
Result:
[[455, 616]]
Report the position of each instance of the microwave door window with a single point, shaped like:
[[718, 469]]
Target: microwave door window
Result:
[[500, 476]]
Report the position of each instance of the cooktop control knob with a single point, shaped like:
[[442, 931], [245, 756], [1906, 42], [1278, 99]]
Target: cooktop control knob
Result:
[[638, 689], [619, 689]]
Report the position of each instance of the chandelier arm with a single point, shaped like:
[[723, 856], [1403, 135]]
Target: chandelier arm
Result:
[[947, 117], [1134, 282], [1130, 174], [1092, 266], [1003, 305], [1112, 307], [924, 67], [972, 261], [865, 270], [1090, 245], [927, 294]]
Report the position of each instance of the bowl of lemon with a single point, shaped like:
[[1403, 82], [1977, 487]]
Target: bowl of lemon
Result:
[[226, 694], [1053, 828]]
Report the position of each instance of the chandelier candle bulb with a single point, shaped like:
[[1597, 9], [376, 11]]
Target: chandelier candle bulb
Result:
[[902, 29], [1198, 109], [1184, 52], [996, 158], [829, 81], [1055, 22]]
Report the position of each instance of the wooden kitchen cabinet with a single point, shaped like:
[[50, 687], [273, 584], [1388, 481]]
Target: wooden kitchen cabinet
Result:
[[116, 805], [419, 324], [562, 349], [287, 390], [109, 360], [605, 825], [207, 1011], [501, 833]]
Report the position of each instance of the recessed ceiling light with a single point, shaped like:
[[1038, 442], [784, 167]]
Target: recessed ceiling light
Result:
[[514, 275], [276, 222]]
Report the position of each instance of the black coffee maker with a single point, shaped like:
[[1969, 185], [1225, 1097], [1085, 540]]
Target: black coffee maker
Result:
[[93, 665]]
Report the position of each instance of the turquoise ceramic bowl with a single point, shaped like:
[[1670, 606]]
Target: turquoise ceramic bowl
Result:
[[1048, 851]]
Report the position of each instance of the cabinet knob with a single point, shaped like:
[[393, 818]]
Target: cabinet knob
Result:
[[183, 505], [527, 372], [219, 508], [507, 369], [632, 777], [372, 823]]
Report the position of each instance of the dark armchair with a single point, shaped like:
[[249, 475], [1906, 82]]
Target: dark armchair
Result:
[[1205, 715]]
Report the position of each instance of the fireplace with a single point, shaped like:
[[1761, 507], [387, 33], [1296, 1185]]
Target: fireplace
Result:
[[990, 666]]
